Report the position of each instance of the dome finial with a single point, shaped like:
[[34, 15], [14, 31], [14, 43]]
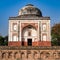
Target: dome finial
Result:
[[29, 4]]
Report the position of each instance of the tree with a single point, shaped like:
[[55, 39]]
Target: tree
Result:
[[1, 40], [55, 32], [5, 41]]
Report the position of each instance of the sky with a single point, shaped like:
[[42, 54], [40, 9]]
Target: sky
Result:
[[9, 8]]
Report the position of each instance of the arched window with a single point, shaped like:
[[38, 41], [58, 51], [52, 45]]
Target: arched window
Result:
[[14, 26], [44, 37], [44, 27], [29, 32], [15, 38]]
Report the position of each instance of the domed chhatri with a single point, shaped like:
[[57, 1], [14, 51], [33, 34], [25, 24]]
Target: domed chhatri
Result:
[[30, 9]]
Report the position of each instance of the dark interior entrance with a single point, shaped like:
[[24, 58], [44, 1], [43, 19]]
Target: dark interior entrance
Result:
[[22, 43], [29, 42]]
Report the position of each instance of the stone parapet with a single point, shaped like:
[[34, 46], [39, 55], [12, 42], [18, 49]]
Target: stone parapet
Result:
[[29, 53]]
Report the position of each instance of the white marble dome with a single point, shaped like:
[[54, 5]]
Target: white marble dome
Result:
[[30, 10]]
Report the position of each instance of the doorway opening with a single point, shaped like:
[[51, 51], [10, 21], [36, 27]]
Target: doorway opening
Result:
[[22, 43], [29, 42]]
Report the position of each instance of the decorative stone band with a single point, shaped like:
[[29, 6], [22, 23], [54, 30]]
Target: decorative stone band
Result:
[[29, 18], [29, 48]]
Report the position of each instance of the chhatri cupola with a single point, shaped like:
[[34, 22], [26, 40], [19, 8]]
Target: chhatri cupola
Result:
[[29, 28]]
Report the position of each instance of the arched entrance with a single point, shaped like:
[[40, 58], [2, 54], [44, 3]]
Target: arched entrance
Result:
[[29, 34]]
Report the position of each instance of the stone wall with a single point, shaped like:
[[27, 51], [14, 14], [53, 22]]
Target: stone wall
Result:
[[29, 53]]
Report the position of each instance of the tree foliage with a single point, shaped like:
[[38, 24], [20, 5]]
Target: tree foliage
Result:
[[3, 40], [55, 32]]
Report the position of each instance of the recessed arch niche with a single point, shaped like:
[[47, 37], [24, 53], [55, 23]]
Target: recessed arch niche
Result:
[[29, 32]]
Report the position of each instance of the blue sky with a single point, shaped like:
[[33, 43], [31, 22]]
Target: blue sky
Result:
[[10, 8]]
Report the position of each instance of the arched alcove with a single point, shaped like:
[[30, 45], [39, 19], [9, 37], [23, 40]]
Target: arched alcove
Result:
[[22, 55], [59, 54], [10, 55], [29, 35], [4, 55], [47, 55], [15, 54]]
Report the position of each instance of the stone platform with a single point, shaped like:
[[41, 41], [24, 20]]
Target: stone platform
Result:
[[29, 53]]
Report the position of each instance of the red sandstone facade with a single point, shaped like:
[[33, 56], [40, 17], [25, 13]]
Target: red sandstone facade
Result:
[[44, 43]]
